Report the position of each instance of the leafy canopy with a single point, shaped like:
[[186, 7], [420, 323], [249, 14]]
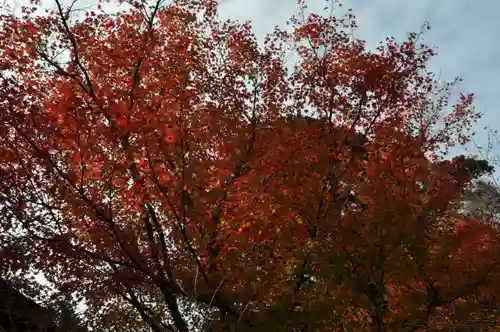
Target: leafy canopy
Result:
[[174, 175]]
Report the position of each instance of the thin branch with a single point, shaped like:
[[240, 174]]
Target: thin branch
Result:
[[75, 47], [216, 290]]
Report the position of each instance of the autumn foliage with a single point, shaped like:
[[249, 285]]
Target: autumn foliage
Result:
[[174, 175]]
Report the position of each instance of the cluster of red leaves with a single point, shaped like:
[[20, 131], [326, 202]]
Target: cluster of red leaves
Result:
[[164, 166]]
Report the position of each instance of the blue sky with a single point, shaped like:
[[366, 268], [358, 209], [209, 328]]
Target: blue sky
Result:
[[464, 32]]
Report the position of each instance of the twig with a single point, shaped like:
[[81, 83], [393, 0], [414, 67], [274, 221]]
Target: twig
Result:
[[244, 309], [216, 290], [195, 281]]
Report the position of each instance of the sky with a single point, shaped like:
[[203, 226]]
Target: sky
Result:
[[464, 32]]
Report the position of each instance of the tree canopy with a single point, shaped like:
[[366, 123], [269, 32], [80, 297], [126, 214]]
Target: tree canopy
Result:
[[174, 175]]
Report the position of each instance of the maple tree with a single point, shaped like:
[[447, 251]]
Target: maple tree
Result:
[[174, 175]]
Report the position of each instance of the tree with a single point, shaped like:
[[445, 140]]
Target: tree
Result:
[[19, 313], [482, 200], [157, 164], [67, 318]]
